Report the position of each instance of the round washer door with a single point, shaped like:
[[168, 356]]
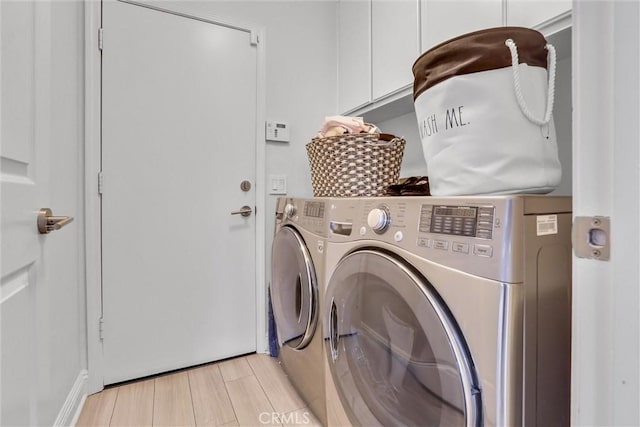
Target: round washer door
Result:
[[294, 289], [396, 354]]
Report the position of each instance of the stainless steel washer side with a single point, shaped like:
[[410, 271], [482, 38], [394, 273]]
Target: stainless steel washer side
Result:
[[297, 292]]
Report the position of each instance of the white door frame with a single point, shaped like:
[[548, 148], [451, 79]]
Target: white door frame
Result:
[[606, 182], [93, 139]]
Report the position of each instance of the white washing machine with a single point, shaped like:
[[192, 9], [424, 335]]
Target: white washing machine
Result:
[[297, 291], [449, 311]]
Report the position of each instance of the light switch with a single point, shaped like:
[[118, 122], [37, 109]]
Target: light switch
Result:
[[277, 184]]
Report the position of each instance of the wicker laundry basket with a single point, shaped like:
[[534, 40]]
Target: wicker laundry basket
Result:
[[354, 165]]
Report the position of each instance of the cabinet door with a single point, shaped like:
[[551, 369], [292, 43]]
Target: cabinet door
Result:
[[354, 54], [394, 38], [532, 13], [442, 20]]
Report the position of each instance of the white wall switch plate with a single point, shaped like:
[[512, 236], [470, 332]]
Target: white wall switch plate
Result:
[[277, 184], [277, 131]]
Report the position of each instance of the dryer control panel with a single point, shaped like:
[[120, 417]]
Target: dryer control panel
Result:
[[310, 214]]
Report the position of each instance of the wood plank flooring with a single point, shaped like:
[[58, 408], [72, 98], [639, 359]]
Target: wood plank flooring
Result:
[[246, 391]]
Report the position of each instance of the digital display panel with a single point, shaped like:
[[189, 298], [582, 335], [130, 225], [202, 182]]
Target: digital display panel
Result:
[[455, 220], [455, 211], [314, 209]]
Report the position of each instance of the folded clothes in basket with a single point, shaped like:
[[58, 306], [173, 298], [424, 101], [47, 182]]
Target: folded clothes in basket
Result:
[[340, 125], [410, 186]]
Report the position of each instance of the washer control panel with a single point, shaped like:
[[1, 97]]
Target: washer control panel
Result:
[[467, 221], [463, 233], [479, 235]]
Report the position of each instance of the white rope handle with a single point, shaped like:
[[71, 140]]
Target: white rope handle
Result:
[[551, 84]]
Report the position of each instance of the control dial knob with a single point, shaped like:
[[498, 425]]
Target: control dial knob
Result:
[[289, 210], [379, 219]]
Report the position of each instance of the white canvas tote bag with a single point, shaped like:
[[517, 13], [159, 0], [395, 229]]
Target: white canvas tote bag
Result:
[[484, 105]]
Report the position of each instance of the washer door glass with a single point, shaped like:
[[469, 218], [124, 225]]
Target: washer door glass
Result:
[[395, 352], [294, 289]]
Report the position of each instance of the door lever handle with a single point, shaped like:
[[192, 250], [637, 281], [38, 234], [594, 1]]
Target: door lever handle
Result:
[[48, 223], [244, 211]]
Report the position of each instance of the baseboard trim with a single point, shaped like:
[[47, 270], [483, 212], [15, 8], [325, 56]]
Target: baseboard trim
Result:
[[70, 411]]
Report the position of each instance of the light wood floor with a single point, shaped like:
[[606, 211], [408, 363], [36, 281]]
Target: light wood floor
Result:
[[246, 391]]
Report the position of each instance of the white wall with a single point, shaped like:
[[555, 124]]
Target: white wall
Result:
[[562, 113], [406, 126]]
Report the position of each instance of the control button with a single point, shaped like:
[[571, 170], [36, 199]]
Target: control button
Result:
[[398, 236], [363, 230], [483, 250], [483, 234], [320, 246], [289, 210], [379, 219], [443, 245], [426, 243], [460, 247]]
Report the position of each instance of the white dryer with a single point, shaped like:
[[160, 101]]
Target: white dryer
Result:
[[449, 311], [297, 290]]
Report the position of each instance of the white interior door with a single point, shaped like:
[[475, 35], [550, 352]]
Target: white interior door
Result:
[[39, 291], [19, 188], [179, 129]]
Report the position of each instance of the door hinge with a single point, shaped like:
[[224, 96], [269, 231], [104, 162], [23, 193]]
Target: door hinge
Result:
[[100, 38], [100, 182], [101, 328], [255, 38]]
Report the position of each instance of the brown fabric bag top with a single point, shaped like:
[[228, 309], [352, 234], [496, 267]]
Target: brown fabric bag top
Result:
[[478, 51]]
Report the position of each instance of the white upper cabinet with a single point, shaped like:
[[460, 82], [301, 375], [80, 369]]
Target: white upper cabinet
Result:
[[395, 44], [354, 54], [379, 40], [532, 13], [443, 20]]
